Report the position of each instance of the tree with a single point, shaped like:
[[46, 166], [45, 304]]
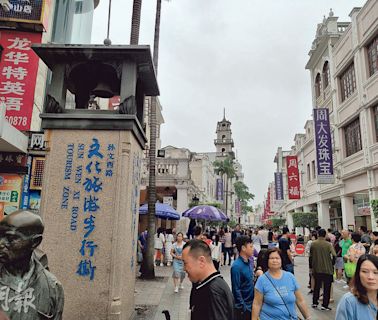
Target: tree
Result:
[[225, 169], [244, 196], [148, 268], [305, 219], [278, 222], [135, 22]]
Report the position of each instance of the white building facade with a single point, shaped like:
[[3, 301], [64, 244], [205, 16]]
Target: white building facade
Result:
[[343, 65]]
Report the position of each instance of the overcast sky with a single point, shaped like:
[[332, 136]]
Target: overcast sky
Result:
[[247, 56]]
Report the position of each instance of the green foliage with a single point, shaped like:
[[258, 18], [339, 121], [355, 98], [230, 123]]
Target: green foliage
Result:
[[196, 203], [278, 222], [243, 194], [374, 207], [305, 219], [242, 191], [225, 167], [232, 223]]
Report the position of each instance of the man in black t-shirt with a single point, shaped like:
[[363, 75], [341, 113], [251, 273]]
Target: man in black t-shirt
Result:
[[284, 245], [211, 297]]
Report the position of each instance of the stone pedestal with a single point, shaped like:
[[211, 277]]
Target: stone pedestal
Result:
[[90, 202]]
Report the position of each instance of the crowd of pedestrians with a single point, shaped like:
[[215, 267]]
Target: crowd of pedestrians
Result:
[[263, 282]]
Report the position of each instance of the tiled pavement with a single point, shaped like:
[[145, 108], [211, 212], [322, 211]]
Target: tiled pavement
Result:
[[157, 295]]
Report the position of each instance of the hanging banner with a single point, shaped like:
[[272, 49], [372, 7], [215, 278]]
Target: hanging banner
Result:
[[278, 184], [18, 73], [219, 190], [293, 177], [237, 208], [26, 11], [323, 146]]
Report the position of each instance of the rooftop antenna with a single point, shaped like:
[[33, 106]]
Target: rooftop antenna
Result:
[[107, 41]]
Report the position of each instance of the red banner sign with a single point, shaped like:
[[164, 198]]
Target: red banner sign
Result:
[[293, 177], [18, 72]]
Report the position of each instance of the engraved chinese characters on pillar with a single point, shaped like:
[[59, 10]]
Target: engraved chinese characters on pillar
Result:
[[293, 179], [18, 72], [92, 175]]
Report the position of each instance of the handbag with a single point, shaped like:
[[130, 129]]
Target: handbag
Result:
[[291, 317], [350, 269]]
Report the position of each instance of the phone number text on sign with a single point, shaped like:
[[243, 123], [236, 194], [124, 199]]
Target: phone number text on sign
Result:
[[18, 73], [17, 121]]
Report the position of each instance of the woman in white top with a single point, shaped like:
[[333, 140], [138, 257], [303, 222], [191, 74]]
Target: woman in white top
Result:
[[257, 241], [227, 247], [216, 251], [169, 239], [159, 240]]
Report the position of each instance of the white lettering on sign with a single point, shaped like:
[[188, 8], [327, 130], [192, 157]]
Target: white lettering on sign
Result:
[[292, 163], [37, 140], [20, 44], [322, 115], [322, 128], [19, 73], [325, 168], [17, 57], [12, 87], [324, 154], [12, 103], [294, 191]]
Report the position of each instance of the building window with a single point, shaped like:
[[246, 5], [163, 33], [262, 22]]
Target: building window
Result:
[[313, 169], [352, 133], [348, 82], [38, 167], [372, 49], [376, 122], [318, 85], [308, 173], [326, 74]]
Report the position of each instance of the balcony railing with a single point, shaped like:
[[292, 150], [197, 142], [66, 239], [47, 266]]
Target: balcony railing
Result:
[[224, 141]]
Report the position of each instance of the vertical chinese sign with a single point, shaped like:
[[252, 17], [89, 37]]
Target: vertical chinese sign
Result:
[[278, 184], [219, 189], [293, 177], [90, 166], [237, 207], [323, 142], [18, 72]]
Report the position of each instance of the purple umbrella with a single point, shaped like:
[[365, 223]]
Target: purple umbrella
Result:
[[205, 212], [162, 211]]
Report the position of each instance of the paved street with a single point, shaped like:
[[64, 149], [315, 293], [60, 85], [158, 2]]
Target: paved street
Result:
[[155, 296]]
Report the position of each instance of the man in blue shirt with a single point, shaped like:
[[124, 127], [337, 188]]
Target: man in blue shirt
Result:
[[242, 279]]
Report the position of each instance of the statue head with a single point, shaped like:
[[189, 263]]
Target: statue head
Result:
[[20, 233]]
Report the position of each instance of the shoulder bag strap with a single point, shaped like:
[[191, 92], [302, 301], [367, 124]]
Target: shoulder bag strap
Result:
[[291, 317]]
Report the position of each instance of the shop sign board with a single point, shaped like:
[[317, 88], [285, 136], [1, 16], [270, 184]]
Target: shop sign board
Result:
[[10, 191], [18, 73], [25, 11]]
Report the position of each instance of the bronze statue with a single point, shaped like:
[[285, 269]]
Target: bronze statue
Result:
[[27, 290]]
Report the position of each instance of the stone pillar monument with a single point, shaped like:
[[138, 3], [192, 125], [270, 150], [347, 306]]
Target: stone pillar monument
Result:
[[90, 195]]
